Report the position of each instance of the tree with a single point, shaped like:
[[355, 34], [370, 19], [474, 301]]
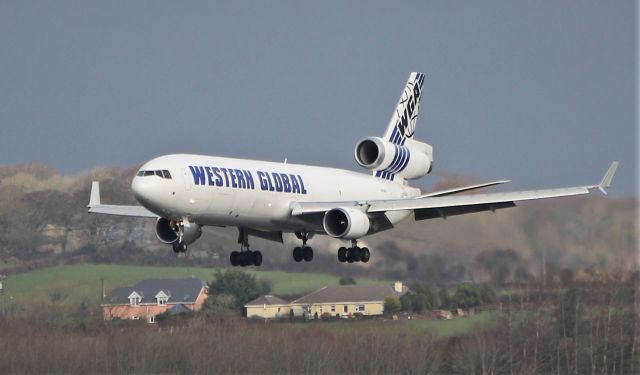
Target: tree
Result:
[[467, 295], [239, 284], [391, 304], [445, 299], [487, 294], [499, 263], [347, 280], [405, 302], [419, 302]]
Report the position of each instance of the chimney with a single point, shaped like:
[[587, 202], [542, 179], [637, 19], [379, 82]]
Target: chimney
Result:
[[397, 286]]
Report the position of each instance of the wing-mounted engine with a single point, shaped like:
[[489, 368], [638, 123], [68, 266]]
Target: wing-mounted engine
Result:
[[346, 222], [410, 160], [169, 231]]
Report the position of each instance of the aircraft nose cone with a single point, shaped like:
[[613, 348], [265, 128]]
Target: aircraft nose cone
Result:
[[137, 188], [144, 190]]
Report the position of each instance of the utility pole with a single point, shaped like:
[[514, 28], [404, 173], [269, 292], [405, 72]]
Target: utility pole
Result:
[[103, 290]]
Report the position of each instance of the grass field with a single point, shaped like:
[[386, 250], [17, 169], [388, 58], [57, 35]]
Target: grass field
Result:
[[439, 328], [84, 281]]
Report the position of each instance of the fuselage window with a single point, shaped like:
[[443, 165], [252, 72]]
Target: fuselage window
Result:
[[159, 174], [166, 174], [149, 173], [140, 173]]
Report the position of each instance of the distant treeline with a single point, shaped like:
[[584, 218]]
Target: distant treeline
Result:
[[44, 222]]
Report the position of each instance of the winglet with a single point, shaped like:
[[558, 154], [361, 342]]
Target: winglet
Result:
[[94, 199], [608, 177]]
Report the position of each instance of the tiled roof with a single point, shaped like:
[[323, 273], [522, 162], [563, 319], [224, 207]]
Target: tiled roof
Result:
[[183, 291], [350, 293], [267, 300]]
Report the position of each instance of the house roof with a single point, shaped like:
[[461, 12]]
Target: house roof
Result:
[[350, 293], [182, 291], [266, 300]]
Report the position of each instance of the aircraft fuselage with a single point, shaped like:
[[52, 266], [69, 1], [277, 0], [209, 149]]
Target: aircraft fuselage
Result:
[[219, 191]]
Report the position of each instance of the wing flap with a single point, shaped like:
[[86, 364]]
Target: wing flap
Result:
[[444, 212]]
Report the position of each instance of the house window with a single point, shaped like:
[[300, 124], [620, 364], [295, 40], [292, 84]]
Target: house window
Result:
[[152, 318], [278, 309], [162, 301], [333, 308], [360, 308], [135, 317], [135, 301], [345, 308]]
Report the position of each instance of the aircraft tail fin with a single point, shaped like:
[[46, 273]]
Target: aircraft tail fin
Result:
[[402, 125]]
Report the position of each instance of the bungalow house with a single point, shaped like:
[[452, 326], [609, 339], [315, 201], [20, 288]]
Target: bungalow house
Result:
[[149, 298], [267, 307], [334, 301]]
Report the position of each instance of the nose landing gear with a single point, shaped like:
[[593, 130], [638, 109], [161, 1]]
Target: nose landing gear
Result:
[[179, 247]]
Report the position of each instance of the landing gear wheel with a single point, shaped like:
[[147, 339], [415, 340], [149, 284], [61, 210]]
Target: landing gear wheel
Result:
[[257, 258], [365, 255], [350, 258], [356, 253], [342, 254], [179, 247], [297, 254], [234, 258], [249, 257], [307, 254]]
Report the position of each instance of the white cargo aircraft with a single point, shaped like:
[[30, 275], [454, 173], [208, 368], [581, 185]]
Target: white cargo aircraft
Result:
[[266, 199]]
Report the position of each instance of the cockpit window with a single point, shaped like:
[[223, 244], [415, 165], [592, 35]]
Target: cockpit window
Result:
[[160, 173]]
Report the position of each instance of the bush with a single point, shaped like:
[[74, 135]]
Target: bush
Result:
[[391, 304], [347, 280]]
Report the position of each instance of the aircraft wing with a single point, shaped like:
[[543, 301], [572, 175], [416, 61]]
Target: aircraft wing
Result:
[[94, 206], [428, 207]]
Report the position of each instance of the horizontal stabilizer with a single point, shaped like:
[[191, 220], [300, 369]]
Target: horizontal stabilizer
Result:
[[95, 207]]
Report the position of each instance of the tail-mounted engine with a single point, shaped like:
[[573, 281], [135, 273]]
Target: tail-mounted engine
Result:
[[170, 231], [411, 160], [346, 222]]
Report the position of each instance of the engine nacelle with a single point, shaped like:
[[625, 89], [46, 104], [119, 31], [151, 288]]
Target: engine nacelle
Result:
[[412, 160], [346, 222], [168, 231]]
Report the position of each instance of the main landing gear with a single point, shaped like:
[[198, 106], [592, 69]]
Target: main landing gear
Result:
[[245, 257], [354, 253], [305, 252]]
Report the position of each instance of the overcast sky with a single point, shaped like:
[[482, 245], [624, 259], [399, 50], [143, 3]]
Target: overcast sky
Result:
[[543, 93]]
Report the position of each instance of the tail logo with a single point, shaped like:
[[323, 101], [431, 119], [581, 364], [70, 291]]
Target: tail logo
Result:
[[407, 111]]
